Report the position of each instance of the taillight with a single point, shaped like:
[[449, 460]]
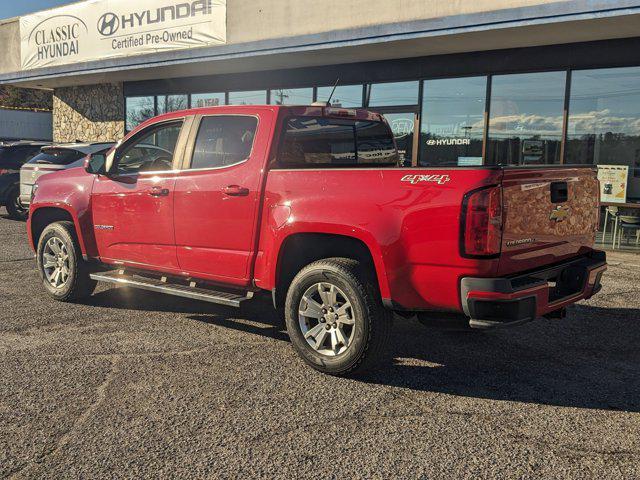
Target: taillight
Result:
[[482, 222], [3, 171]]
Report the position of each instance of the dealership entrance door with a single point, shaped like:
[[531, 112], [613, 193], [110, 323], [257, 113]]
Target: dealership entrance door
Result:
[[404, 122]]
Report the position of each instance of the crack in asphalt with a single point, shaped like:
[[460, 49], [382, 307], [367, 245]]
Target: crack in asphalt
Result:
[[31, 468], [570, 449]]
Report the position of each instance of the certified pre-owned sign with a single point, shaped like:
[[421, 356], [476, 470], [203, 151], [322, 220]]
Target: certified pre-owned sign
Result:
[[99, 29]]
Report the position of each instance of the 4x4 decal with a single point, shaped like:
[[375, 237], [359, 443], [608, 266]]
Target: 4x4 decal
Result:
[[413, 179]]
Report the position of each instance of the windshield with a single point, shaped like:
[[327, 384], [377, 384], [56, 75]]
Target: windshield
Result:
[[57, 156]]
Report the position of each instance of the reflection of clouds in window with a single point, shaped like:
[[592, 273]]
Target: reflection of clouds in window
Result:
[[603, 121], [452, 125], [524, 125], [604, 118]]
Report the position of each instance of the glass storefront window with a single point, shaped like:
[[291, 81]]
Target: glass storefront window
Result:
[[402, 125], [604, 120], [171, 103], [526, 116], [349, 96], [452, 124], [199, 100], [393, 94], [255, 97], [291, 96], [138, 109]]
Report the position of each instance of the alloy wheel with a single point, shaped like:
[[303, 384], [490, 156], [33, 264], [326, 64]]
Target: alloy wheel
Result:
[[326, 319], [55, 262]]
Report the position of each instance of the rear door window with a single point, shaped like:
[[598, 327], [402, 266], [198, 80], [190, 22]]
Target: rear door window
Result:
[[223, 140], [316, 142]]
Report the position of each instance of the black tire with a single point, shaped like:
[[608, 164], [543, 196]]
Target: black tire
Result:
[[15, 209], [78, 284], [372, 321]]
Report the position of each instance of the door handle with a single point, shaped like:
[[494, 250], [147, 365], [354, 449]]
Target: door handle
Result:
[[159, 192], [235, 191]]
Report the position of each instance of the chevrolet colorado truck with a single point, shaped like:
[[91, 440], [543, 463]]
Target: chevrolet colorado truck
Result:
[[311, 205]]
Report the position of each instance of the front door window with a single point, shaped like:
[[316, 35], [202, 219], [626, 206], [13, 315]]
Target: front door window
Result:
[[152, 151]]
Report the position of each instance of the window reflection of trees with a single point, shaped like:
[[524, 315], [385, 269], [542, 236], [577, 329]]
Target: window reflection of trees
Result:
[[139, 109]]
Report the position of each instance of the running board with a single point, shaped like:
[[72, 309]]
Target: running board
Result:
[[162, 285]]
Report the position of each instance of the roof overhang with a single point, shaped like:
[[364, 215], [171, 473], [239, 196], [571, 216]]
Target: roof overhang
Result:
[[548, 24]]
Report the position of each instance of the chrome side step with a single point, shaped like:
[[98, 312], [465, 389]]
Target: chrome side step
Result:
[[162, 285]]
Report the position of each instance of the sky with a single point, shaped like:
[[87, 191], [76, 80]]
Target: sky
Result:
[[13, 8]]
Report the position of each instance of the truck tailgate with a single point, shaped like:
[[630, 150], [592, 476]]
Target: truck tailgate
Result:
[[549, 214]]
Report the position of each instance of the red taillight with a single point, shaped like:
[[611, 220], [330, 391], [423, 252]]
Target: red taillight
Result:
[[482, 222], [3, 171]]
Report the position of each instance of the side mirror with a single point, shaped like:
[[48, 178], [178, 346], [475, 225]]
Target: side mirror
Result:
[[99, 163], [96, 164]]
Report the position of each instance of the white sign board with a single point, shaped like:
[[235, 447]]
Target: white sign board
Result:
[[103, 29], [613, 183]]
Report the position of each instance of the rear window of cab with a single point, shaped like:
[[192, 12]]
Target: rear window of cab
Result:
[[320, 142]]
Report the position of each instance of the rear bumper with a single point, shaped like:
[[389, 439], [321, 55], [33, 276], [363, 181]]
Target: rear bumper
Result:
[[491, 302], [25, 200]]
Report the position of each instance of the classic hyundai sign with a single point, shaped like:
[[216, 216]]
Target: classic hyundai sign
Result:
[[102, 29]]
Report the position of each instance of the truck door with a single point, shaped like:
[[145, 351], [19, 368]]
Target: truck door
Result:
[[217, 195], [133, 204]]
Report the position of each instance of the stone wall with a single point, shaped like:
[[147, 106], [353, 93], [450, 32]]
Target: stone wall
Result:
[[92, 113]]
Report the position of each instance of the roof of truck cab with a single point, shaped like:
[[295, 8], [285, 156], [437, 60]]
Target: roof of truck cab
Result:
[[298, 110]]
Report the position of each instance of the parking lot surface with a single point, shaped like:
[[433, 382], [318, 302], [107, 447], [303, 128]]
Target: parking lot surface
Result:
[[134, 384]]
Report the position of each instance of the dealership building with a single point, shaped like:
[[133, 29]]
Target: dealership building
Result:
[[461, 82]]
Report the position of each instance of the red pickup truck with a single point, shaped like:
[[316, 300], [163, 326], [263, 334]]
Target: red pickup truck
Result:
[[312, 205]]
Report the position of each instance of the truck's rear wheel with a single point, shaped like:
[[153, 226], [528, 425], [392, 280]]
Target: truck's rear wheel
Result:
[[64, 273], [335, 317]]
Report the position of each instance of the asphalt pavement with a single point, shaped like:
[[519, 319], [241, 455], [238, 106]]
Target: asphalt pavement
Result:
[[131, 384]]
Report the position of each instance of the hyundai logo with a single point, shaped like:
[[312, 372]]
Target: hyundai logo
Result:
[[108, 24]]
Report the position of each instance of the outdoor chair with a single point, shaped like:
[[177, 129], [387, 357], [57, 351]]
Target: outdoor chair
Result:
[[627, 223]]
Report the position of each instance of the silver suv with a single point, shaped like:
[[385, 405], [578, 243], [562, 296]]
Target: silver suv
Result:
[[53, 158]]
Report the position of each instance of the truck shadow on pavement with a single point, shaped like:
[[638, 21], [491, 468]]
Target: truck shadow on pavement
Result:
[[591, 359]]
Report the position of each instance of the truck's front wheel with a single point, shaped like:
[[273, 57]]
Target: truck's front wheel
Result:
[[335, 317], [64, 273]]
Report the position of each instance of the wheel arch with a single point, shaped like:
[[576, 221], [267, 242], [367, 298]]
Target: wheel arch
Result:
[[300, 249], [40, 217]]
